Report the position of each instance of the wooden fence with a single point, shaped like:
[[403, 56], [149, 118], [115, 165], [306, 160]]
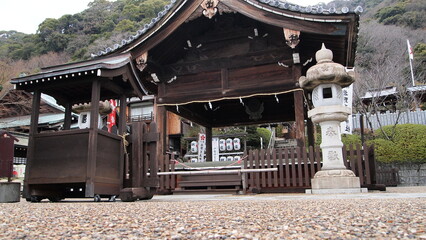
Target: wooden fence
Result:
[[296, 167], [279, 170]]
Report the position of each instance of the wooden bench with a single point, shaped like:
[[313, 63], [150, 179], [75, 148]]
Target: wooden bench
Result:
[[210, 182]]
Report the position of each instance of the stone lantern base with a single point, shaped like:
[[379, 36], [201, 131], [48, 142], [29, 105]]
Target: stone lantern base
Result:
[[335, 181]]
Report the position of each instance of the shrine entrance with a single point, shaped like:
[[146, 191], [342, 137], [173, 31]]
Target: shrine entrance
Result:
[[217, 63], [238, 67], [236, 63]]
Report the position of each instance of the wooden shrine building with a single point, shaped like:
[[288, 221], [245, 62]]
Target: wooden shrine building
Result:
[[214, 62], [226, 63]]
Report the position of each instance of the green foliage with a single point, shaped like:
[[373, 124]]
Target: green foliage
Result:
[[349, 139], [77, 34], [253, 137], [126, 26], [391, 14], [408, 145], [409, 13], [265, 134]]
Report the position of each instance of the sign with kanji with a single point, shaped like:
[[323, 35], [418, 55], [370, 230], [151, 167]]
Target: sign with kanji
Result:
[[201, 147], [346, 126]]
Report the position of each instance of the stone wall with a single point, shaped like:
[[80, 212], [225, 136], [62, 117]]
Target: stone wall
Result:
[[409, 174]]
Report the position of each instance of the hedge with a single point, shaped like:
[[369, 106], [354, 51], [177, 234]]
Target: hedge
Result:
[[407, 146]]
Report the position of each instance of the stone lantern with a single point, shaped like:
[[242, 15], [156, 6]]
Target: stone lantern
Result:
[[326, 80]]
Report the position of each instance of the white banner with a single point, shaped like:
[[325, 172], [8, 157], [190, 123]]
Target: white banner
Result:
[[201, 147], [346, 126], [215, 149]]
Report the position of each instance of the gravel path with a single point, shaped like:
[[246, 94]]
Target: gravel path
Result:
[[402, 218]]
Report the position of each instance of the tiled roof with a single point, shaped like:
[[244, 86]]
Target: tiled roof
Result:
[[316, 9]]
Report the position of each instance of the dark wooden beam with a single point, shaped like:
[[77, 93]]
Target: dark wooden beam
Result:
[[310, 132], [299, 110], [93, 139], [161, 120], [113, 87], [122, 115], [224, 78], [122, 130], [110, 73], [187, 113], [67, 119], [209, 147], [269, 56], [35, 113]]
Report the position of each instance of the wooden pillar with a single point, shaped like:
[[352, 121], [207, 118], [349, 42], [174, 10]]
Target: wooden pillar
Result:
[[161, 120], [68, 116], [121, 130], [311, 132], [93, 139], [35, 112], [299, 117], [299, 110], [209, 136], [122, 116]]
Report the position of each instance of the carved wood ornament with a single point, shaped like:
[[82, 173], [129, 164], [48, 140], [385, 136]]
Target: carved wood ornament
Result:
[[141, 61], [210, 7], [291, 37]]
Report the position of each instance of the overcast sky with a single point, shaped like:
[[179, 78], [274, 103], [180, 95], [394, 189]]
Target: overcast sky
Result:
[[25, 15]]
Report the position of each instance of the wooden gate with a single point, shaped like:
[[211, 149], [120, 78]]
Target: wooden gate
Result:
[[280, 170], [141, 167]]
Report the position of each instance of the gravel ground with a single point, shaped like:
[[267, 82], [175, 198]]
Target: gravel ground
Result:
[[236, 218]]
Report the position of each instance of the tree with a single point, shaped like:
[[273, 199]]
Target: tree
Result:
[[383, 64]]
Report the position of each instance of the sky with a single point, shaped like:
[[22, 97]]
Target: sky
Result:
[[25, 15]]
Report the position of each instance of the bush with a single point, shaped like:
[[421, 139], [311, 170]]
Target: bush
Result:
[[407, 146], [349, 139]]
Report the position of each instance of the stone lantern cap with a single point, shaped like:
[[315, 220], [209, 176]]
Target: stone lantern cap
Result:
[[325, 71]]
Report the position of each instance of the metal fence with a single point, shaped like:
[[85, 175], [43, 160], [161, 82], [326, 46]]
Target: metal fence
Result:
[[388, 118]]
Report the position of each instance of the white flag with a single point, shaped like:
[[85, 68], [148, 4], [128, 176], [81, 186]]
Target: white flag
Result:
[[410, 50]]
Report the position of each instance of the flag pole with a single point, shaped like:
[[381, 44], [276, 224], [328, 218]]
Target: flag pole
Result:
[[411, 57], [412, 74]]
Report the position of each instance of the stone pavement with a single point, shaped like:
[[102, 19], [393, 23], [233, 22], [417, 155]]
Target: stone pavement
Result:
[[398, 213], [391, 192]]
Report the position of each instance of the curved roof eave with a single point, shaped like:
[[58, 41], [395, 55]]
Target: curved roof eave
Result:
[[272, 12], [73, 69]]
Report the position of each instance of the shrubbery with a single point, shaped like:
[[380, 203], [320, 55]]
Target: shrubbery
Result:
[[408, 144], [349, 139]]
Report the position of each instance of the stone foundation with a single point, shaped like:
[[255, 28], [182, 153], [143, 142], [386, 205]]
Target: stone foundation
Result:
[[335, 181], [10, 192]]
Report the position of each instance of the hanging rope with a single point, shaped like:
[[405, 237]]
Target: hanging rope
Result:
[[126, 154], [124, 141]]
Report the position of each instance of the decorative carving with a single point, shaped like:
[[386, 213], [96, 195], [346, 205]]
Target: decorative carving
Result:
[[332, 156], [254, 108], [291, 37], [221, 8], [141, 61], [330, 132], [210, 8]]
